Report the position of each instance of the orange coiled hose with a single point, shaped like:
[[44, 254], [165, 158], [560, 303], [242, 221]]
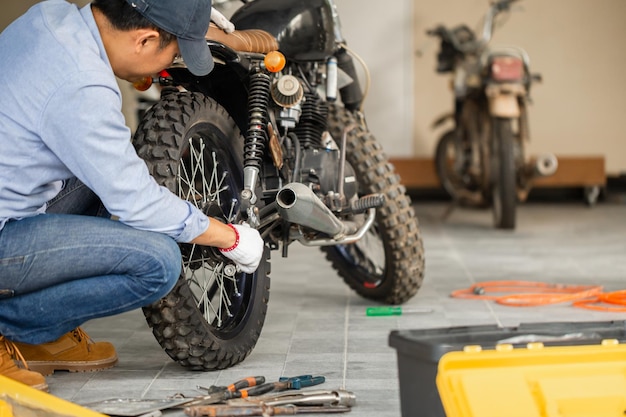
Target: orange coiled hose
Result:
[[614, 299], [529, 293]]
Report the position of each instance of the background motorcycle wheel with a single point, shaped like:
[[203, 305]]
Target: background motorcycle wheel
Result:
[[387, 264], [504, 189], [452, 163], [447, 155], [211, 319]]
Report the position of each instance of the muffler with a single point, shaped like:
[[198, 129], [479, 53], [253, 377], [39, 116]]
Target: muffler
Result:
[[543, 165], [298, 204]]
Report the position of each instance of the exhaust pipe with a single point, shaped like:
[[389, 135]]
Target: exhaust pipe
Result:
[[298, 204], [544, 165]]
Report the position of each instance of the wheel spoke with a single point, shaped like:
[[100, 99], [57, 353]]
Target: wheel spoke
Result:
[[201, 182], [212, 317], [208, 284]]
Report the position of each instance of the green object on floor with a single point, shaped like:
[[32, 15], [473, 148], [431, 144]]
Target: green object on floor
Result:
[[394, 311]]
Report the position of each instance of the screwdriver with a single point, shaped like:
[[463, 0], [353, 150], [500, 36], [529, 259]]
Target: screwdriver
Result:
[[394, 311]]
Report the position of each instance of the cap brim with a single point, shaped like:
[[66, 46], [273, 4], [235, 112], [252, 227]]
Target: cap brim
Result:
[[197, 56]]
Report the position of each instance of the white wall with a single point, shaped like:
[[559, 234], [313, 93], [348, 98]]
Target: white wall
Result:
[[381, 33], [575, 44]]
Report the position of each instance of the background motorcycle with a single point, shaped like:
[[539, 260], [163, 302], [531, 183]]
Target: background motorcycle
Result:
[[282, 145], [482, 160]]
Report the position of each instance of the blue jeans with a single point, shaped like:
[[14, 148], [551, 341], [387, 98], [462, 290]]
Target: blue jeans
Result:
[[62, 268]]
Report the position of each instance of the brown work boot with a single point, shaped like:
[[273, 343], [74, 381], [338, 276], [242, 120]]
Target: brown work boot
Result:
[[9, 369], [74, 352]]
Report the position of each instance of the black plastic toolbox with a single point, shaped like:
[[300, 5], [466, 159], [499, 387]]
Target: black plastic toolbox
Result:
[[419, 352]]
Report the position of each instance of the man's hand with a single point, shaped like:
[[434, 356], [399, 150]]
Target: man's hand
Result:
[[220, 20], [248, 248]]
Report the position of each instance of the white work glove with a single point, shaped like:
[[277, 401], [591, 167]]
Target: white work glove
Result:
[[248, 248], [220, 20]]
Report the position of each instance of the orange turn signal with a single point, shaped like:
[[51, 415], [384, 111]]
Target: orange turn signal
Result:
[[143, 84], [274, 61]]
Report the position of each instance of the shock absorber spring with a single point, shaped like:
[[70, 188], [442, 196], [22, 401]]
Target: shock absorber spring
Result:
[[256, 135]]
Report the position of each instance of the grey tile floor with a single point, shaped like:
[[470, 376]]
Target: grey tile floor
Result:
[[316, 325]]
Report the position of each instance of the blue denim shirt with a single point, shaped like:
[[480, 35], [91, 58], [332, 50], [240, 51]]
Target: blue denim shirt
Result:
[[60, 117]]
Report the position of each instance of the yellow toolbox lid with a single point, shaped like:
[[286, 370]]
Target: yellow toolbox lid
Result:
[[536, 381], [18, 400]]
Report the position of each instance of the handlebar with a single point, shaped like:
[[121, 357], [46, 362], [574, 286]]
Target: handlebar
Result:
[[494, 10], [475, 44]]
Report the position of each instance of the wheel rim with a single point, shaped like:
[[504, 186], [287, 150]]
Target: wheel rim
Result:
[[367, 256], [205, 178]]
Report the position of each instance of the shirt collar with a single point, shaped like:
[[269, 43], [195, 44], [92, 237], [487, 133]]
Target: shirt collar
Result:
[[87, 15]]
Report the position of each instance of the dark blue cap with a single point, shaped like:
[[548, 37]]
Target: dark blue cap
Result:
[[189, 21]]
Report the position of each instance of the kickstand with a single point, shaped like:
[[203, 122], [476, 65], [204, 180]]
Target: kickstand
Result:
[[454, 204]]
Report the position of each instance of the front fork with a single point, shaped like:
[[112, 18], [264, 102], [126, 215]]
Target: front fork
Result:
[[506, 100]]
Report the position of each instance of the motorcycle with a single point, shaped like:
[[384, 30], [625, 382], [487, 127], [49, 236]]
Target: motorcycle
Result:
[[274, 137], [481, 161]]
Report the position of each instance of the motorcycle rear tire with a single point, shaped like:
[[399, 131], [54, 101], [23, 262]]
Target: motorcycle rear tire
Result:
[[452, 167], [504, 188], [189, 140], [448, 177], [396, 230]]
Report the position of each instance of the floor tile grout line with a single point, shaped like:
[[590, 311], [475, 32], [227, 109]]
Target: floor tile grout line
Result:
[[145, 391], [456, 255], [346, 324], [78, 391], [291, 337]]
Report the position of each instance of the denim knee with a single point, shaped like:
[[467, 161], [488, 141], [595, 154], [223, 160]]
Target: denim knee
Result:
[[167, 251]]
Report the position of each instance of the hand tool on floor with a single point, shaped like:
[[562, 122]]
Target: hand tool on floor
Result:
[[302, 381], [260, 410], [241, 389], [337, 397], [130, 407], [336, 401], [394, 311], [287, 383], [235, 386]]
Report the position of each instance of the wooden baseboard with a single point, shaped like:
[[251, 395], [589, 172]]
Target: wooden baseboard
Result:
[[419, 172]]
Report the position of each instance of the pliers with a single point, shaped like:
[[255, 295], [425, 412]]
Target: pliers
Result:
[[238, 389], [287, 383], [252, 387], [302, 381]]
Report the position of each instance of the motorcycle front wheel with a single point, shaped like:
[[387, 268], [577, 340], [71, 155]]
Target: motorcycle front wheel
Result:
[[504, 184], [213, 317], [387, 264]]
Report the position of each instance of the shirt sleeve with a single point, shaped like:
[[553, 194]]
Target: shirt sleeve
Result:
[[84, 127]]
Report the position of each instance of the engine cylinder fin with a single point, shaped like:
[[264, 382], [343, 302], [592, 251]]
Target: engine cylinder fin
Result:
[[313, 121]]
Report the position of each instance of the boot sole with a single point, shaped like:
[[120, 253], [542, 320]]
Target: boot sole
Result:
[[48, 367], [41, 387]]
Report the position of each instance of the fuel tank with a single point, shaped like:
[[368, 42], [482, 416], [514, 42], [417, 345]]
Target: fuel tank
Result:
[[304, 28]]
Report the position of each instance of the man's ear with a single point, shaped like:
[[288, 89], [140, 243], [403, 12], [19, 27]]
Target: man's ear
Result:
[[145, 38]]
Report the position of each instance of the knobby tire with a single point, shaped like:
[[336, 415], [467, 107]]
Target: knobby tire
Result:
[[396, 225], [192, 331]]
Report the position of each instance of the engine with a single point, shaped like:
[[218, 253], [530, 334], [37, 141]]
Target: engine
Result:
[[304, 114], [321, 171]]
